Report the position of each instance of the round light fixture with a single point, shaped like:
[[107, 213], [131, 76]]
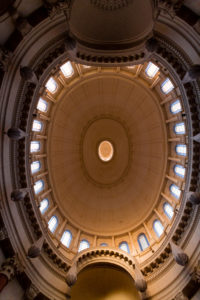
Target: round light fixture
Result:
[[105, 151]]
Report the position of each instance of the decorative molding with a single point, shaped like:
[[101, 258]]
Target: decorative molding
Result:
[[111, 4]]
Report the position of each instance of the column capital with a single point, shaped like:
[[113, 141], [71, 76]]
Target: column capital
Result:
[[10, 267]]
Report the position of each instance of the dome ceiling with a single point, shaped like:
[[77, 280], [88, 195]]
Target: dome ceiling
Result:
[[128, 24], [107, 197]]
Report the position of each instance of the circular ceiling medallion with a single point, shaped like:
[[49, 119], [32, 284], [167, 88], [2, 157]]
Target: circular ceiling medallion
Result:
[[105, 151]]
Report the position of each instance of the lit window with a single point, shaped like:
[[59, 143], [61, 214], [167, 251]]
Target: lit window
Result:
[[35, 146], [168, 210], [51, 85], [37, 125], [179, 170], [143, 241], [53, 223], [84, 244], [35, 166], [175, 191], [179, 128], [167, 86], [175, 107], [42, 105], [103, 245], [124, 246], [67, 69], [158, 228], [66, 238], [38, 186], [151, 70], [44, 204], [181, 149]]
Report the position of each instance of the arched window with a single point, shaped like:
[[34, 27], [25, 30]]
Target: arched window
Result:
[[84, 244], [42, 105], [35, 166], [124, 246], [67, 69], [44, 205], [175, 191], [51, 85], [143, 241], [158, 228], [151, 70], [37, 125], [175, 107], [103, 245], [35, 146], [168, 210], [53, 223], [179, 170], [167, 86], [181, 149], [66, 238], [179, 128], [38, 186]]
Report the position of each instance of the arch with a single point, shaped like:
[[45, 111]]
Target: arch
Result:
[[143, 241], [168, 210], [44, 205], [124, 246], [66, 238], [158, 228], [53, 223]]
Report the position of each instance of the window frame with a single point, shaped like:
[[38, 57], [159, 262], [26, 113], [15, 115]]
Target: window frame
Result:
[[125, 244], [177, 125], [163, 83], [55, 225], [156, 230], [179, 153], [174, 103], [165, 211], [41, 188], [67, 244], [86, 242], [46, 208], [140, 243]]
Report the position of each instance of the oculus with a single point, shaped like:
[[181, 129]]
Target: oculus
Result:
[[105, 151]]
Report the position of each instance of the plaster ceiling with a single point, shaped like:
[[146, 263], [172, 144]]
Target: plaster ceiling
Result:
[[115, 196], [128, 24]]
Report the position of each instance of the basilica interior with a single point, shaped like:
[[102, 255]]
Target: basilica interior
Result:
[[100, 149]]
